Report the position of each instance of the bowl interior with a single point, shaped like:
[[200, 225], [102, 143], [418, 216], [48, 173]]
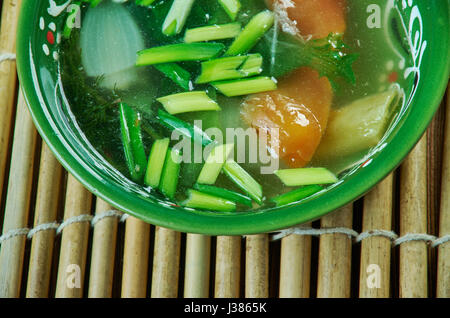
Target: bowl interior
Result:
[[426, 26]]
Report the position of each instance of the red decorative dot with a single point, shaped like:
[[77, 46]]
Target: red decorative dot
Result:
[[393, 77], [50, 37]]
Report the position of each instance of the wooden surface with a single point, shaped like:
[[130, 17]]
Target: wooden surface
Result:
[[391, 243]]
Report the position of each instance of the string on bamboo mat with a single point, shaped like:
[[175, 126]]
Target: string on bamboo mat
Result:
[[59, 227], [358, 237], [7, 57]]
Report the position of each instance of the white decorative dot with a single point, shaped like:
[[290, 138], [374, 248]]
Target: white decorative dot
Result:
[[55, 55], [46, 50], [390, 65], [41, 23], [58, 37], [52, 26]]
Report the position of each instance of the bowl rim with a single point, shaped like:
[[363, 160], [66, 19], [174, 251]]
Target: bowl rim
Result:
[[430, 92]]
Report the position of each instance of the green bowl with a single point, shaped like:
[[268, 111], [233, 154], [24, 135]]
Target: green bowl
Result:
[[40, 25]]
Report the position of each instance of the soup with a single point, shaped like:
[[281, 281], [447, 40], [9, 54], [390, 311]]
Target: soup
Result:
[[231, 105]]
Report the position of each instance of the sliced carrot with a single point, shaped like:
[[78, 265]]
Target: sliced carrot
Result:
[[300, 107], [317, 18]]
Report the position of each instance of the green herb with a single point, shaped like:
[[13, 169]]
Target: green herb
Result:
[[177, 74], [246, 86], [212, 32], [231, 7], [224, 193], [306, 176], [203, 201], [243, 180], [252, 33], [233, 67], [170, 174], [178, 53], [176, 18], [296, 195], [156, 162], [184, 128], [214, 163], [188, 102], [130, 125]]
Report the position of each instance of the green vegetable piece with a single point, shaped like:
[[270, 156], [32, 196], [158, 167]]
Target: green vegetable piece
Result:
[[252, 33], [231, 7], [130, 124], [188, 102], [184, 128], [170, 174], [214, 163], [246, 86], [179, 53], [177, 74], [358, 126], [156, 162], [224, 193], [144, 3], [306, 176], [228, 68], [296, 195], [243, 180], [176, 18], [212, 32], [203, 201]]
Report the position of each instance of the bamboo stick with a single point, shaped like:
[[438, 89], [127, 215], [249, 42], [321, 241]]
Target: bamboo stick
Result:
[[74, 242], [335, 250], [374, 278], [48, 193], [17, 201], [413, 276], [295, 266], [8, 78], [197, 266], [135, 258], [166, 262], [443, 266], [228, 258], [257, 266], [103, 253]]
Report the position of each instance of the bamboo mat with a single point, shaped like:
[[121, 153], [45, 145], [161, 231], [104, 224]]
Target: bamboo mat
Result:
[[58, 240]]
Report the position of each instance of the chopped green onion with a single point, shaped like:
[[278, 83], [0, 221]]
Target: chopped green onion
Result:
[[156, 162], [176, 18], [231, 7], [224, 193], [243, 180], [144, 2], [214, 163], [306, 176], [170, 174], [246, 86], [178, 53], [188, 102], [253, 65], [232, 67], [130, 125], [184, 128], [177, 74], [203, 201], [212, 32], [296, 195], [252, 33]]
